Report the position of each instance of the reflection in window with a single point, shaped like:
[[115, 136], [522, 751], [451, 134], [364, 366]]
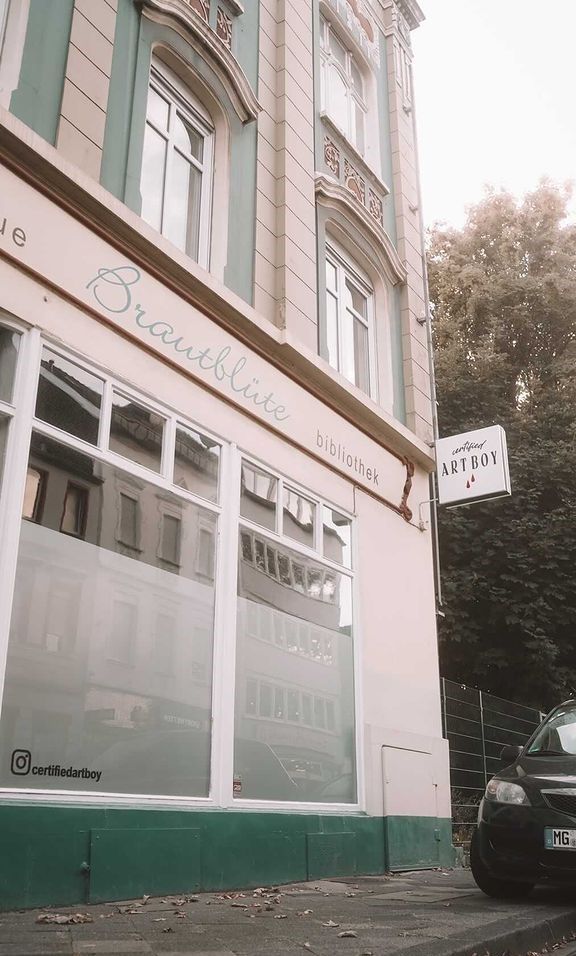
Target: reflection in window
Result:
[[196, 463], [299, 517], [9, 345], [34, 494], [337, 539], [129, 521], [136, 432], [304, 705], [69, 397], [136, 683], [75, 508], [170, 550], [259, 495]]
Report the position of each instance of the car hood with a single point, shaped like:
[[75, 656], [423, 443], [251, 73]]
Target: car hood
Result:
[[540, 772]]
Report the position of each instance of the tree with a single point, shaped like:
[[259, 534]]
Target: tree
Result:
[[503, 293]]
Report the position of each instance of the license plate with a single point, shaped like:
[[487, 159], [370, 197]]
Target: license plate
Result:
[[559, 839]]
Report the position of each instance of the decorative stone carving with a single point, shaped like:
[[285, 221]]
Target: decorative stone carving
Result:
[[332, 156], [375, 207], [361, 24], [224, 27], [201, 7], [354, 182]]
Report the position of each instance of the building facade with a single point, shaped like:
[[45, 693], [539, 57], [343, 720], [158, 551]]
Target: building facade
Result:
[[218, 660]]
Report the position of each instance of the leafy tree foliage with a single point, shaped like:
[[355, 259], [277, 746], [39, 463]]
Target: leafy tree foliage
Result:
[[503, 291]]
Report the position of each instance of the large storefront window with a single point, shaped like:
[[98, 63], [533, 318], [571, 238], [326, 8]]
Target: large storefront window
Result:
[[110, 637], [9, 348], [294, 723], [109, 670]]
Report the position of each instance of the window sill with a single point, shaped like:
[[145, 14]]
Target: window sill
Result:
[[349, 147]]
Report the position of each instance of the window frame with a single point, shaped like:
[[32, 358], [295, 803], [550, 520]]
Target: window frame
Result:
[[181, 100], [346, 268], [354, 100], [226, 509]]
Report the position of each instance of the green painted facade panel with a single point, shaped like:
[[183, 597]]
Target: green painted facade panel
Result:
[[38, 98], [46, 850], [120, 862], [331, 854], [415, 843]]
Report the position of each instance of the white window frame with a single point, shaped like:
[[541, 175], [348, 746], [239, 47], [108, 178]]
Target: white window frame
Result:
[[227, 510], [347, 269], [329, 64], [182, 101], [13, 23], [315, 554]]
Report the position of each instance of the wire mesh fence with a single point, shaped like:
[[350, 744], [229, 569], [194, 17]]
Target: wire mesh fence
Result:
[[477, 726]]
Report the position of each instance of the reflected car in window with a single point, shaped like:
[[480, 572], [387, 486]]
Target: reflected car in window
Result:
[[526, 830]]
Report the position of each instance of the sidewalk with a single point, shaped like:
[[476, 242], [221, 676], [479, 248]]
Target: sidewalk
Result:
[[428, 913]]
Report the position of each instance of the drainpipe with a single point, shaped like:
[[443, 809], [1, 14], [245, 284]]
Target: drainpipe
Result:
[[427, 320]]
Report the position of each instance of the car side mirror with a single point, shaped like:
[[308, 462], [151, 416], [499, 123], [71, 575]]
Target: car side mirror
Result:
[[510, 753]]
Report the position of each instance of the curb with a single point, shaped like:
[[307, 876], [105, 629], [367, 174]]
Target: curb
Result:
[[518, 937]]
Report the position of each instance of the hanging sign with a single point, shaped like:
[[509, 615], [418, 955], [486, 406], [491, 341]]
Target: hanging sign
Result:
[[472, 466]]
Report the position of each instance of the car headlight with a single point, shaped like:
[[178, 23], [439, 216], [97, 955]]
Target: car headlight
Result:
[[503, 791]]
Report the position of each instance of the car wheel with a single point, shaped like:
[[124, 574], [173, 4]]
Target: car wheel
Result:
[[492, 885]]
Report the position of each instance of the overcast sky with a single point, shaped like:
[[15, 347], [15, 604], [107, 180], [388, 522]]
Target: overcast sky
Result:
[[495, 85]]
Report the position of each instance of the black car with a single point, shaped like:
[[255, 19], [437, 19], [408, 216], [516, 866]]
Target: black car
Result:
[[526, 830]]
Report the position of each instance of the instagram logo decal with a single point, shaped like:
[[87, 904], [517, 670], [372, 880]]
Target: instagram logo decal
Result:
[[21, 765], [21, 762]]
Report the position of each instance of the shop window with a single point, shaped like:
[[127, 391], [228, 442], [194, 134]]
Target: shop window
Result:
[[259, 496], [196, 462], [69, 397], [343, 93], [176, 180], [349, 320], [294, 624], [136, 432], [104, 609], [9, 347]]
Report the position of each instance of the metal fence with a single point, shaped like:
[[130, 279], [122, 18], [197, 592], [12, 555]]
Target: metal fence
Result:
[[477, 726]]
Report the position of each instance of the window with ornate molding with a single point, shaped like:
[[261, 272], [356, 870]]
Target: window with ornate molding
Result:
[[176, 180], [349, 311], [343, 92]]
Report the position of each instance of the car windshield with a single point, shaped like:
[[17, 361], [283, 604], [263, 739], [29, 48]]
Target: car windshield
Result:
[[558, 734]]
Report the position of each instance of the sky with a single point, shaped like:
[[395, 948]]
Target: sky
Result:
[[495, 97]]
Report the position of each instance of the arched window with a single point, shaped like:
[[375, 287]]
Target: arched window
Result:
[[176, 180], [342, 87], [349, 320]]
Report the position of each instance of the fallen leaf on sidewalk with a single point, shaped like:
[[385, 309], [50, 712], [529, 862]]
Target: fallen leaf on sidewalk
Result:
[[330, 923], [348, 934], [159, 919], [167, 929], [61, 918], [240, 906], [280, 916], [145, 899], [305, 913]]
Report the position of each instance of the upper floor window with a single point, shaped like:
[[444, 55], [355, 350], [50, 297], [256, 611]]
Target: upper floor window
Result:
[[176, 181], [349, 308], [342, 87]]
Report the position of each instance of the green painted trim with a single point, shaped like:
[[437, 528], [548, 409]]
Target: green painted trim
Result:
[[120, 100], [416, 843], [125, 126], [47, 849], [38, 98], [398, 390]]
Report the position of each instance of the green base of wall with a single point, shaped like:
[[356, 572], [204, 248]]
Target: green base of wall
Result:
[[66, 855]]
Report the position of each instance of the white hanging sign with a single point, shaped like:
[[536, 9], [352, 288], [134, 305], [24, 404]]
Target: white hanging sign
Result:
[[472, 466]]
